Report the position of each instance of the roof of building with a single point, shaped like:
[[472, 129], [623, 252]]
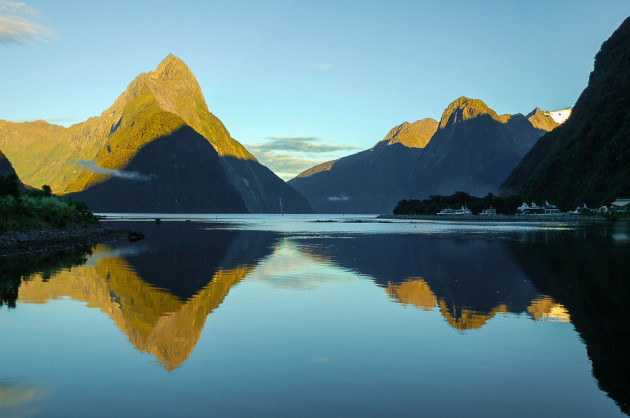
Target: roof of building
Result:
[[621, 202]]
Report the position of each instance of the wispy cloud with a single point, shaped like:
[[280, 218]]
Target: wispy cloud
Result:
[[289, 156], [309, 145], [126, 175], [18, 25], [321, 67]]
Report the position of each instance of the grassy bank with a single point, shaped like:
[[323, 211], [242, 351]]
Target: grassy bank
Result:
[[23, 209]]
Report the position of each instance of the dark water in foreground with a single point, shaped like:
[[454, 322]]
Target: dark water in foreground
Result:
[[271, 316]]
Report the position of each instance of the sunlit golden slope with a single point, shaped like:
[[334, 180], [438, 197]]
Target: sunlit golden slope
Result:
[[154, 320], [417, 292]]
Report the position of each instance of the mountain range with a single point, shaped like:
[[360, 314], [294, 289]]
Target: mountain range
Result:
[[471, 149], [159, 149], [586, 159], [156, 149]]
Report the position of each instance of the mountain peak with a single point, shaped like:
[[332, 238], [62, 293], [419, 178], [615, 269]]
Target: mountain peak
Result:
[[464, 109], [411, 135], [172, 67], [541, 120]]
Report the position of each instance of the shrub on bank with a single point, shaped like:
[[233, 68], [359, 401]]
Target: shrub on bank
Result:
[[30, 209]]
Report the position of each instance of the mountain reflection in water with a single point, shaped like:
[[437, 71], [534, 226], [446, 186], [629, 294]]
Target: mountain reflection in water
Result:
[[160, 291], [469, 280]]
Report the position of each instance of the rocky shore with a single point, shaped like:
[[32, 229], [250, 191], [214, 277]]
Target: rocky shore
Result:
[[42, 240]]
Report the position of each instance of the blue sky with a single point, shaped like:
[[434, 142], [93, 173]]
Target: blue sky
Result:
[[328, 78]]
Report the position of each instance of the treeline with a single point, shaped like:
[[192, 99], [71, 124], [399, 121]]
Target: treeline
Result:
[[504, 205], [22, 209]]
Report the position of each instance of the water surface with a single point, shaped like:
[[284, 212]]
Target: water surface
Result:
[[254, 315]]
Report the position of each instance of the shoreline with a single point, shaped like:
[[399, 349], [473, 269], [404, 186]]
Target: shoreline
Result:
[[15, 243], [502, 218]]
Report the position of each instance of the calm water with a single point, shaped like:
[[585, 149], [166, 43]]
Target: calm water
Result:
[[286, 316]]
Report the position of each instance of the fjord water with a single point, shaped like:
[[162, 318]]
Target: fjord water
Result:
[[234, 315]]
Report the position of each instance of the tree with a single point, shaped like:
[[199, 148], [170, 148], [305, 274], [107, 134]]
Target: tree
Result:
[[10, 186]]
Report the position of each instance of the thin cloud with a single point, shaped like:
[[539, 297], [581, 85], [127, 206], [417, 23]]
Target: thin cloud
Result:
[[321, 67], [295, 138], [307, 145], [288, 156], [18, 26], [286, 166]]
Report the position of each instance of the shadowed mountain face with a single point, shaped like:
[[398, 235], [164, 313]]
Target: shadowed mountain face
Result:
[[6, 169], [176, 173], [154, 106], [371, 181], [472, 149], [586, 159]]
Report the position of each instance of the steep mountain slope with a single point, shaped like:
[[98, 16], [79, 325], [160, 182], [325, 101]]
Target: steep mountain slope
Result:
[[6, 169], [586, 159], [371, 181], [154, 106], [411, 135], [46, 154], [178, 172], [474, 150]]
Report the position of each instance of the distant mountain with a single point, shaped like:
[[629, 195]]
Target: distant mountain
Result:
[[543, 121], [586, 160], [371, 181], [473, 151], [411, 135], [158, 148]]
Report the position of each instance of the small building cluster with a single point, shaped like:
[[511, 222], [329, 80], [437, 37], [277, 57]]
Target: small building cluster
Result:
[[533, 209], [620, 205]]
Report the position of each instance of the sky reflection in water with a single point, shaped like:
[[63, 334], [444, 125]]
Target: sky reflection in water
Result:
[[294, 317]]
